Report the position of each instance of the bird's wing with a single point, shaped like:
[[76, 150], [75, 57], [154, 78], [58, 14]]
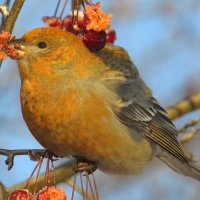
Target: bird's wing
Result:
[[150, 120], [137, 108]]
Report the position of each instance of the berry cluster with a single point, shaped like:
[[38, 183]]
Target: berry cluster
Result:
[[47, 193], [92, 26], [5, 49]]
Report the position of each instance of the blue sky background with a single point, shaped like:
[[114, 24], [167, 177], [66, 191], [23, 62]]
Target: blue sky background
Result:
[[163, 39]]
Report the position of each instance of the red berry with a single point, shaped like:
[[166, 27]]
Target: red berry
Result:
[[111, 36], [21, 195], [95, 41], [51, 193], [67, 23], [53, 21]]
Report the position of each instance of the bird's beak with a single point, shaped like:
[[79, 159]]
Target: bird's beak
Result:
[[17, 48]]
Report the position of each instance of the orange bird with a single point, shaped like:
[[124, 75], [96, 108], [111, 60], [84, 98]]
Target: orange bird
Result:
[[94, 106]]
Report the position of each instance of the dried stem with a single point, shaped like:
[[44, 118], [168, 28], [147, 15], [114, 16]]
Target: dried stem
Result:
[[63, 9], [57, 7], [95, 186], [71, 184], [62, 173], [73, 188], [91, 187], [86, 190], [76, 4], [82, 187]]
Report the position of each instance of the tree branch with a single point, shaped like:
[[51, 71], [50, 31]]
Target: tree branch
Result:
[[10, 20], [4, 194], [32, 153], [184, 106], [190, 124]]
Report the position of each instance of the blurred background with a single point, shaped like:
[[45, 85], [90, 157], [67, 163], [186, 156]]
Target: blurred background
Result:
[[163, 39]]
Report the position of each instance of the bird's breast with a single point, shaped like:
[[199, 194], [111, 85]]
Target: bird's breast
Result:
[[78, 121]]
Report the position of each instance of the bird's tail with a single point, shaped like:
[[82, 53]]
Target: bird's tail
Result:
[[186, 169]]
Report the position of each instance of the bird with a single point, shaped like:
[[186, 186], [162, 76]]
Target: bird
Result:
[[94, 106]]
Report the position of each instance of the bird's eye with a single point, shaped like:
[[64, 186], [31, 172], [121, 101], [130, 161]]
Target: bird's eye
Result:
[[42, 45]]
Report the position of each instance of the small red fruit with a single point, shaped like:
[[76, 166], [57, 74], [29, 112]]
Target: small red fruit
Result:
[[53, 21], [94, 40], [22, 194], [111, 36], [67, 23], [51, 193]]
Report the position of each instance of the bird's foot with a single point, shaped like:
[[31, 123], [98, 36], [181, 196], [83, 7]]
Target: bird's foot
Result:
[[36, 155], [85, 166]]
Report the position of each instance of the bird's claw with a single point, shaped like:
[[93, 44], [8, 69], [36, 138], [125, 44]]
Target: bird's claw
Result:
[[85, 166]]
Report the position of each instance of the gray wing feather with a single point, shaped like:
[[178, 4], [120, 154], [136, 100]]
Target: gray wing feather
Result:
[[153, 124], [138, 109]]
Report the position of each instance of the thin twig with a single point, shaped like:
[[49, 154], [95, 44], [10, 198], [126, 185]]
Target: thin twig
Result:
[[91, 188], [73, 188], [76, 4], [47, 174], [95, 185], [31, 176], [62, 173], [36, 179], [86, 190], [77, 188], [190, 124], [12, 153], [53, 172], [82, 188], [190, 135], [57, 6], [63, 9]]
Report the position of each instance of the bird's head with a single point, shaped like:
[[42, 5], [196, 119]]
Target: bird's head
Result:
[[52, 51]]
